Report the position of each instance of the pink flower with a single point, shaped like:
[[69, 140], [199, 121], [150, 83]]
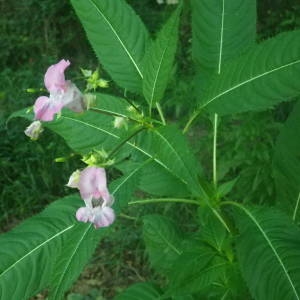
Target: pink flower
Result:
[[92, 186], [62, 93], [55, 77], [45, 108]]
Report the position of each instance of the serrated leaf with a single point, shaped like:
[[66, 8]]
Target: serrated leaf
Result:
[[268, 249], [195, 270], [82, 243], [156, 180], [286, 163], [171, 149], [118, 38], [36, 244], [166, 146], [212, 231], [159, 60], [163, 242], [77, 250], [257, 80], [124, 187], [221, 30], [139, 291]]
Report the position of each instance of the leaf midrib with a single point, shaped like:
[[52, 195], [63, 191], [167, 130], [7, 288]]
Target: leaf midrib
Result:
[[249, 81], [160, 63], [118, 38], [248, 213], [69, 262], [36, 248], [221, 37], [130, 144]]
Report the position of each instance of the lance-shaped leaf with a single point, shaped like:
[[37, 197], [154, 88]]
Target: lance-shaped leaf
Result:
[[171, 150], [166, 145], [69, 263], [138, 291], [163, 242], [118, 38], [268, 248], [28, 252], [97, 128], [81, 243], [159, 60], [258, 80], [286, 163], [195, 270], [221, 30]]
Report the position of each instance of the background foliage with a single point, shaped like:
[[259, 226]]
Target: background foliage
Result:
[[35, 34]]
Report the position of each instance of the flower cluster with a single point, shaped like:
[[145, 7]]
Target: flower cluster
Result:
[[92, 186], [91, 181], [63, 93]]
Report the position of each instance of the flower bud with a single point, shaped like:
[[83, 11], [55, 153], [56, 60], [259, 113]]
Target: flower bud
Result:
[[34, 130]]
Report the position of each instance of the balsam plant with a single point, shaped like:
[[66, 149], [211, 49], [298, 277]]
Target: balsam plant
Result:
[[238, 251]]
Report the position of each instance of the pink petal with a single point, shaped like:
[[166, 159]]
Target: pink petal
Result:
[[55, 78], [45, 108], [103, 217], [84, 214], [72, 98], [92, 183]]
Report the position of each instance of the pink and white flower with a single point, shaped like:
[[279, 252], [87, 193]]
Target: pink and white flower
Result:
[[92, 185], [63, 93]]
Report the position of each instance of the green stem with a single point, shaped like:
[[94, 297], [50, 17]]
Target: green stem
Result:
[[190, 121], [161, 113], [128, 217], [168, 200], [215, 179], [116, 149], [232, 203]]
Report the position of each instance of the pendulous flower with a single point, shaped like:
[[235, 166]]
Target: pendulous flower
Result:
[[92, 185], [63, 93]]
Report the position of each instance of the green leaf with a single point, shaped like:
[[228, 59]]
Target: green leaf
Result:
[[195, 270], [212, 230], [139, 291], [166, 146], [118, 37], [286, 163], [159, 60], [263, 77], [226, 187], [111, 105], [123, 188], [156, 180], [77, 250], [28, 252], [221, 30], [268, 249], [163, 242], [82, 243], [173, 153]]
